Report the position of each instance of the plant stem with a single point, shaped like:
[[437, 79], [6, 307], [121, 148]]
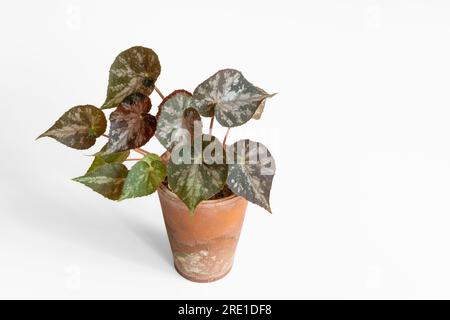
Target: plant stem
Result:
[[134, 159], [141, 151], [226, 136], [159, 92], [211, 124], [138, 150]]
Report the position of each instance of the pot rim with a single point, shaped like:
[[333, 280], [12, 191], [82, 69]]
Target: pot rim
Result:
[[203, 203]]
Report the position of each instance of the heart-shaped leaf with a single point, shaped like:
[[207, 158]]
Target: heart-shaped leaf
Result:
[[251, 171], [195, 175], [144, 177], [79, 127], [107, 180], [177, 120], [229, 97], [101, 160], [131, 124], [134, 70]]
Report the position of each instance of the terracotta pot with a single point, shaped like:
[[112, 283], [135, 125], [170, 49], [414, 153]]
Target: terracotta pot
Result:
[[203, 245]]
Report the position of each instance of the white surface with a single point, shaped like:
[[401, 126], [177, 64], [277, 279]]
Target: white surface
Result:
[[360, 131]]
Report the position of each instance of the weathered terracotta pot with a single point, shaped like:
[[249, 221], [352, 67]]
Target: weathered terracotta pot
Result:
[[203, 245]]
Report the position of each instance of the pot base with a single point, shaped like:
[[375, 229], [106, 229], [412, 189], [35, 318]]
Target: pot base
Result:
[[193, 279]]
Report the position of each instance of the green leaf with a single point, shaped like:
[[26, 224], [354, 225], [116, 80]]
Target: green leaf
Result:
[[134, 70], [196, 175], [176, 119], [131, 124], [100, 160], [144, 177], [229, 97], [79, 127], [251, 171], [107, 180]]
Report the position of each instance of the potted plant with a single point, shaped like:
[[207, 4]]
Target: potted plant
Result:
[[203, 184]]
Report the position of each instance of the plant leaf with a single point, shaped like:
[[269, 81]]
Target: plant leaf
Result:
[[79, 127], [107, 180], [131, 124], [230, 97], [144, 177], [134, 70], [251, 172], [176, 119], [199, 177], [258, 113], [100, 160]]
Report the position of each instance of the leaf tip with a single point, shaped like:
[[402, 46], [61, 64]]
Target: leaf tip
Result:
[[45, 134], [191, 210], [266, 206]]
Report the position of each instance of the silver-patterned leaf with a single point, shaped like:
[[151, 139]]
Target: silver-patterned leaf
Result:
[[134, 70], [196, 175], [79, 127], [144, 177], [229, 97], [101, 160], [107, 180], [131, 124], [250, 172], [177, 120]]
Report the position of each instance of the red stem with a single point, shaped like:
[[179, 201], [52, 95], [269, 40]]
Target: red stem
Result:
[[141, 151], [225, 138], [211, 124], [159, 92]]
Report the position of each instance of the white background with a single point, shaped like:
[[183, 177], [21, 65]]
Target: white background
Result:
[[360, 130]]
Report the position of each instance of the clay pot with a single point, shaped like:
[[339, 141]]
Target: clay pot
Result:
[[203, 245]]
